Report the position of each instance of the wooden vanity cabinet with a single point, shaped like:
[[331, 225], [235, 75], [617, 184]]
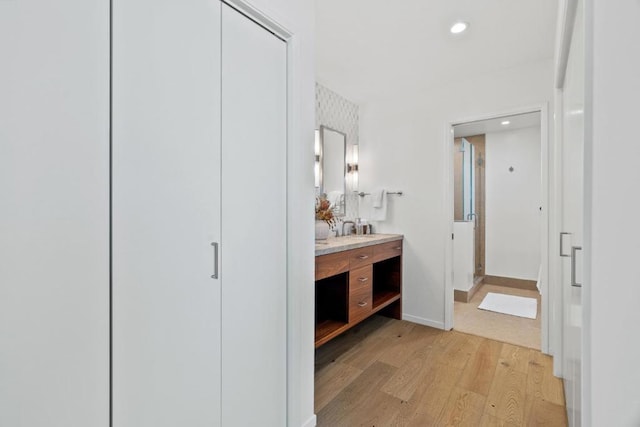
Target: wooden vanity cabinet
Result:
[[354, 284]]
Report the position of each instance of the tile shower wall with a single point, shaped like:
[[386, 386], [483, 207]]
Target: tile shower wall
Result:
[[336, 112]]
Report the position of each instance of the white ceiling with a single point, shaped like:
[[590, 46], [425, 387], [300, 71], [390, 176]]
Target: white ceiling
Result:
[[495, 125], [376, 48]]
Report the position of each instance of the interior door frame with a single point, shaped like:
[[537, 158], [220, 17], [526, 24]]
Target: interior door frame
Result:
[[543, 109]]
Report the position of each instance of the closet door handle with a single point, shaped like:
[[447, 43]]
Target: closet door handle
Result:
[[215, 260], [562, 234], [574, 249]]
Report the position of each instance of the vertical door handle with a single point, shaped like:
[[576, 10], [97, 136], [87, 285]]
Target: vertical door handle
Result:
[[562, 234], [574, 249], [215, 260], [473, 216]]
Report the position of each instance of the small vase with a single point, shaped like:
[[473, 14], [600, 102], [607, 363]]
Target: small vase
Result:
[[322, 230]]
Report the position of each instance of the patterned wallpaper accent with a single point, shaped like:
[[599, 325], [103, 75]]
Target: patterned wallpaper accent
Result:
[[336, 112]]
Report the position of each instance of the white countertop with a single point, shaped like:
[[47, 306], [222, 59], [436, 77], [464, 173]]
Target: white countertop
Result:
[[339, 244]]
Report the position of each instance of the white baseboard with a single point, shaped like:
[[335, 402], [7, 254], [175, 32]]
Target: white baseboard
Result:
[[423, 321], [311, 422]]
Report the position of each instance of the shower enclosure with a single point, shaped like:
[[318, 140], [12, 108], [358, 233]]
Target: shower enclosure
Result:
[[469, 164]]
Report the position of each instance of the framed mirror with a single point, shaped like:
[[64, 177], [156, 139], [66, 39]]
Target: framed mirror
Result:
[[331, 166]]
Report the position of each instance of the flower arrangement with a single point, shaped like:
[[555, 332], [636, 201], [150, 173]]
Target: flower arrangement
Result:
[[324, 211]]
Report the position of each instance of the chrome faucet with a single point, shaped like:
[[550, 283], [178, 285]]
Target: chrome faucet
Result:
[[347, 222]]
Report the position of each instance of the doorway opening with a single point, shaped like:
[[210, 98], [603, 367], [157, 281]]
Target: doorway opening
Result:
[[498, 256]]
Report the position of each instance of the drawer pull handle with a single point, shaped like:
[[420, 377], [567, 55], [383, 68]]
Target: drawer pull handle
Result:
[[363, 256], [397, 248], [362, 304], [363, 279]]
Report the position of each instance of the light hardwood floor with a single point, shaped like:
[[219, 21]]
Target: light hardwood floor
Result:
[[387, 372]]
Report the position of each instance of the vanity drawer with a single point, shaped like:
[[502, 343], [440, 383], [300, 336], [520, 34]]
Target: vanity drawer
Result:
[[360, 304], [331, 264], [360, 257], [387, 250], [360, 278]]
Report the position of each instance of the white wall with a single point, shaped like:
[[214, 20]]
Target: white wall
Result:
[[402, 147], [513, 199], [612, 231]]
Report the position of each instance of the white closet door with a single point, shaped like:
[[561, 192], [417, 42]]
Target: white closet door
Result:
[[254, 263], [572, 218], [54, 213], [166, 208]]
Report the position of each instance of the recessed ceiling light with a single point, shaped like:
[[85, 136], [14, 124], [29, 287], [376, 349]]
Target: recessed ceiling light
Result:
[[459, 27], [506, 122]]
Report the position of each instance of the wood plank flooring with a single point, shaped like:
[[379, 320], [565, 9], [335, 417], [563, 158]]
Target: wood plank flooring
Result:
[[387, 372]]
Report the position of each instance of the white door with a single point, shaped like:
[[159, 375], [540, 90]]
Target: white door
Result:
[[166, 213], [54, 213], [199, 157], [254, 232], [572, 218]]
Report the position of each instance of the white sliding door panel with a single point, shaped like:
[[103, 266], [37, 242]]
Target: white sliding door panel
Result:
[[166, 213], [254, 232], [572, 217], [54, 213]]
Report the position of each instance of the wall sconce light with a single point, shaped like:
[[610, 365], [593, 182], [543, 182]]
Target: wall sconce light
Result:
[[352, 168], [316, 168], [353, 165]]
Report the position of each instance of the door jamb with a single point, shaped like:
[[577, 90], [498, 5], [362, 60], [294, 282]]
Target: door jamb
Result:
[[448, 189]]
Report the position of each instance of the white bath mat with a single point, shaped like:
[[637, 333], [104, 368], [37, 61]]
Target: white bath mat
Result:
[[510, 304]]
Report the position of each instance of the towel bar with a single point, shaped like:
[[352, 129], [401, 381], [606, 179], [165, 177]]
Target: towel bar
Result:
[[362, 193]]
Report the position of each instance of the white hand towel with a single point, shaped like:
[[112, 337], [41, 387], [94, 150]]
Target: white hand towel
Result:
[[379, 206], [378, 197]]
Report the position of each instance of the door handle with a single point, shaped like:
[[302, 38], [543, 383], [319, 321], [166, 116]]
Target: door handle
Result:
[[562, 234], [574, 249], [475, 219], [215, 260]]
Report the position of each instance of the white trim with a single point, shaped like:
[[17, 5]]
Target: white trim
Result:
[[544, 252], [423, 321], [311, 422], [261, 17], [555, 271], [448, 239], [501, 113], [566, 18], [448, 188]]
